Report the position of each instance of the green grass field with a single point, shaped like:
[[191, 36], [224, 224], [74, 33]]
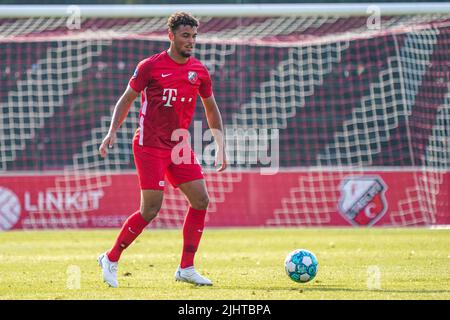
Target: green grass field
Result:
[[244, 264]]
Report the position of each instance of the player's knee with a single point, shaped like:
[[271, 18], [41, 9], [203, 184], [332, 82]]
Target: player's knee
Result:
[[149, 215], [201, 203], [150, 212]]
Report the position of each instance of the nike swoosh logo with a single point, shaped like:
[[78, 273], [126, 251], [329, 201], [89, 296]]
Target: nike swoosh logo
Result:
[[129, 229], [165, 74]]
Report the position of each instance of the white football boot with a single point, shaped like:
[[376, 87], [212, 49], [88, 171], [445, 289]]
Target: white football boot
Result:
[[109, 270], [191, 276]]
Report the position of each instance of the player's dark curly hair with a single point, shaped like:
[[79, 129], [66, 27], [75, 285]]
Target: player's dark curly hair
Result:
[[181, 18]]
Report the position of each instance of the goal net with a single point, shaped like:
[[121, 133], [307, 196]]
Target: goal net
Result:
[[347, 94]]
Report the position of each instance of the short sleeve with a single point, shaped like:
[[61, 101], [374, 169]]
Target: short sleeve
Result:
[[205, 89], [141, 76]]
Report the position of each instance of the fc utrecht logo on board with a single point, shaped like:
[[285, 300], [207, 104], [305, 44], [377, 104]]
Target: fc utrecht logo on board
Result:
[[192, 76], [363, 200]]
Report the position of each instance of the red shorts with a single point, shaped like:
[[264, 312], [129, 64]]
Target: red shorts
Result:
[[153, 164]]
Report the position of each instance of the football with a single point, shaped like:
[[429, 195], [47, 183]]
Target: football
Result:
[[301, 265]]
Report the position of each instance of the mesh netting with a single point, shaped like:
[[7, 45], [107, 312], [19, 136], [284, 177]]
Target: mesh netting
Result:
[[340, 94]]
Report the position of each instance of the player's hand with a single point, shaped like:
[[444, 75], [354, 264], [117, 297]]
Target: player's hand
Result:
[[221, 159], [107, 143]]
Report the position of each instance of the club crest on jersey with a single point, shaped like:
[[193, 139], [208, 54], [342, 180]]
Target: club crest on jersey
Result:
[[192, 77], [363, 200]]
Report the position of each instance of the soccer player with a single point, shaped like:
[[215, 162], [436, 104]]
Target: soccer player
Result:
[[169, 83]]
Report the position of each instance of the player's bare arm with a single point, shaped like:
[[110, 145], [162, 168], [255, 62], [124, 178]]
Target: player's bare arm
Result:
[[214, 119], [121, 110]]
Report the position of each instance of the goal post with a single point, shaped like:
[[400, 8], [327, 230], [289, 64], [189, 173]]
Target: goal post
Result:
[[335, 114], [226, 10]]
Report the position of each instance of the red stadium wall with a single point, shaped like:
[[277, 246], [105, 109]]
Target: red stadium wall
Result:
[[296, 198]]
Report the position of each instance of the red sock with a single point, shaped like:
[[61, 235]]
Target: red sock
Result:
[[192, 233], [132, 227]]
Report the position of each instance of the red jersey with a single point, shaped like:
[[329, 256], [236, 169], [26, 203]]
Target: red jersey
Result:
[[169, 93]]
